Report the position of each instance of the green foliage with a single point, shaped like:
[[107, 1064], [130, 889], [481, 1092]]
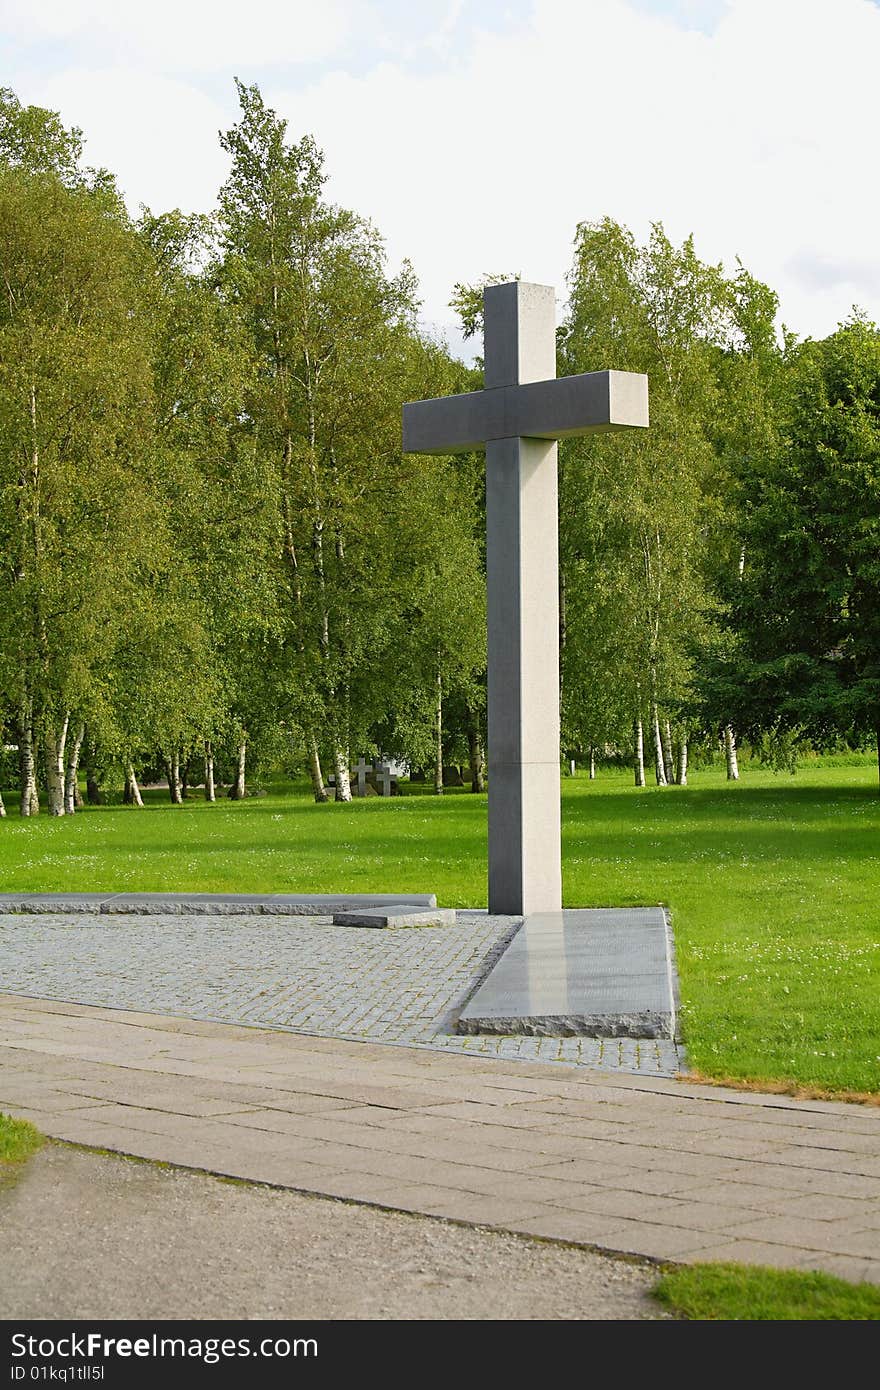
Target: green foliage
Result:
[[467, 302], [209, 534], [750, 1293], [75, 423], [34, 140], [373, 593], [212, 592], [636, 511], [778, 749], [802, 649]]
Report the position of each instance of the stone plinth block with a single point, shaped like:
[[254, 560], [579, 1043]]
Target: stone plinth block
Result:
[[396, 916], [213, 904]]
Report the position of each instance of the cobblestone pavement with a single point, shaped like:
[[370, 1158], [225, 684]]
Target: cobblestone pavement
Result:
[[304, 974]]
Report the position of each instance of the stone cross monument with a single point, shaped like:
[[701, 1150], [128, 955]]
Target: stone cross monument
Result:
[[362, 769], [517, 418], [382, 769]]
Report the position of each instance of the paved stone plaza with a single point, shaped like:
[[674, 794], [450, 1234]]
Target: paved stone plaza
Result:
[[401, 986]]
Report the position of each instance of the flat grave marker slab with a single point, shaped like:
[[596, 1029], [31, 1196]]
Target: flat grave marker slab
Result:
[[592, 972]]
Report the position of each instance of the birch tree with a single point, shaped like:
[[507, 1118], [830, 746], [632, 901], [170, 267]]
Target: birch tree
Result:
[[635, 509], [332, 341], [74, 419], [216, 490], [430, 702]]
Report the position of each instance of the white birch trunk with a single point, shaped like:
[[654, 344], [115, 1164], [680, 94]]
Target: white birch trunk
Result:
[[340, 767], [438, 737], [55, 741], [730, 754], [132, 794], [475, 755], [681, 775], [319, 790], [71, 773], [659, 768], [210, 792], [592, 763], [94, 794], [2, 807], [729, 735], [174, 790], [668, 754], [30, 800], [638, 752], [238, 789]]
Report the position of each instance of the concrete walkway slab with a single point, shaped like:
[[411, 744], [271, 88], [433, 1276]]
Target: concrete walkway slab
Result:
[[663, 1169], [594, 972]]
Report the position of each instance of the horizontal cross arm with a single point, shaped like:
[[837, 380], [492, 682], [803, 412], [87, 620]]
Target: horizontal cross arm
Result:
[[453, 424], [594, 402]]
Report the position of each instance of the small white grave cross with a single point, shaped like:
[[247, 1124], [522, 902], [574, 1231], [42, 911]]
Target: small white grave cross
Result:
[[363, 767], [519, 416], [383, 770]]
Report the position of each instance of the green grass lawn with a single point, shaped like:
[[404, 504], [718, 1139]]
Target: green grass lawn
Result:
[[18, 1140], [773, 884], [749, 1293]]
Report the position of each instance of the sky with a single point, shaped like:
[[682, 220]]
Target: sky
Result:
[[477, 134]]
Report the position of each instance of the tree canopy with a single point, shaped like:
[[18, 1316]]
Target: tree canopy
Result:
[[215, 557]]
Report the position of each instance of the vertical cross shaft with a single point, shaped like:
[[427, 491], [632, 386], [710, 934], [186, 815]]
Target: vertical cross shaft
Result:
[[525, 873]]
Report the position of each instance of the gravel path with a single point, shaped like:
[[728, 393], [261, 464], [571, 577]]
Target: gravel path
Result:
[[89, 1236]]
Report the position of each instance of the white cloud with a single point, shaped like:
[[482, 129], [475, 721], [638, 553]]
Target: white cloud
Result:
[[758, 137], [157, 134], [756, 131], [195, 35]]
